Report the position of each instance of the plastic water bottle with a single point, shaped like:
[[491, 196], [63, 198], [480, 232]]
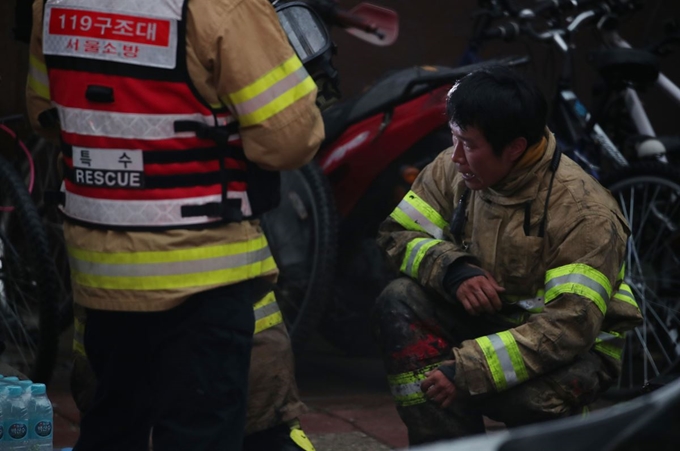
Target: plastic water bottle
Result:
[[40, 418], [15, 420]]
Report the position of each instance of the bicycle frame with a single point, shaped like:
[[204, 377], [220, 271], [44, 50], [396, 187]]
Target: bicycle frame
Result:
[[637, 111], [568, 108]]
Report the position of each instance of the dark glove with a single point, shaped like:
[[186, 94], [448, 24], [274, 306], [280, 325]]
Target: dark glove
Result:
[[457, 273], [448, 369]]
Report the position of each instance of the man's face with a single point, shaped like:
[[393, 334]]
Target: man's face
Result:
[[475, 160]]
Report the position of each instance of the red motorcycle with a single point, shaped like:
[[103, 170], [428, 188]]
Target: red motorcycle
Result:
[[323, 233]]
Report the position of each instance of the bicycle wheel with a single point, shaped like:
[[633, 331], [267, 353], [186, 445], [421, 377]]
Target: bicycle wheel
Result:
[[302, 234], [649, 196], [28, 328]]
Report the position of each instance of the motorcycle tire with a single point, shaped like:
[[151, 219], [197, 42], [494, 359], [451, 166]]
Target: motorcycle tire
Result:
[[363, 271], [649, 196], [302, 234]]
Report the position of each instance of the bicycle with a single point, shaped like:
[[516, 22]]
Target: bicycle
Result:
[[28, 276], [622, 111], [648, 190]]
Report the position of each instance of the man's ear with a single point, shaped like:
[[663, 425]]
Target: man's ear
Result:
[[516, 148]]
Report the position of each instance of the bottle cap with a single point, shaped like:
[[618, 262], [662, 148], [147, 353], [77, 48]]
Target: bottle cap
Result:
[[10, 379], [15, 391], [38, 389]]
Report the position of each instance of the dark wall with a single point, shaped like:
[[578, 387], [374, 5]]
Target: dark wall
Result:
[[431, 32], [13, 63]]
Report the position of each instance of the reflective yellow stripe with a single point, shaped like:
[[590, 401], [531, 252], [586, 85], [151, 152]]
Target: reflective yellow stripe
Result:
[[515, 356], [180, 255], [78, 336], [278, 104], [267, 313], [493, 362], [266, 81], [622, 273], [405, 387], [415, 251], [271, 93], [578, 279], [301, 440], [625, 294], [611, 344], [169, 282], [78, 348], [413, 213], [37, 77], [504, 359]]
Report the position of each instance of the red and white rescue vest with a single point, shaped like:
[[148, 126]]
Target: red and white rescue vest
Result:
[[118, 78]]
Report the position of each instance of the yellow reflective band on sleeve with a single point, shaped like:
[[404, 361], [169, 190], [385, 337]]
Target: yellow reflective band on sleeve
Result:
[[579, 279], [272, 93], [625, 294], [196, 267], [622, 273], [37, 77], [504, 359], [267, 313], [610, 344], [413, 213], [405, 387], [415, 251]]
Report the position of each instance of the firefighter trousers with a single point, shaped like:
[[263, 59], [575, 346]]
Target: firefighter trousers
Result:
[[416, 331], [273, 398]]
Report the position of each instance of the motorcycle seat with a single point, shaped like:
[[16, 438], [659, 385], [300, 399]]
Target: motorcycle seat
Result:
[[394, 88]]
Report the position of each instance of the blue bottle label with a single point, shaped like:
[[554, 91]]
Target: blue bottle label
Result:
[[17, 431], [43, 428]]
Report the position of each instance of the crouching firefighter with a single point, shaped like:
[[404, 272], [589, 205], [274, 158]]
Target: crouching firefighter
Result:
[[512, 303], [174, 116]]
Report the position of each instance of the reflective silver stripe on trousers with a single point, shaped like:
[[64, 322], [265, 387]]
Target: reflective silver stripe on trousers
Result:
[[412, 255], [141, 213], [170, 268], [129, 125], [581, 280], [164, 8], [268, 309], [504, 359], [410, 388], [420, 219]]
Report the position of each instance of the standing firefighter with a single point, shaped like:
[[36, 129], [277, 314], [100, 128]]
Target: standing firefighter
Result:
[[172, 113], [514, 305]]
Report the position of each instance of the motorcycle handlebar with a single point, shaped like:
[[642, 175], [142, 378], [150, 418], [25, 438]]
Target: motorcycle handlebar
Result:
[[334, 15]]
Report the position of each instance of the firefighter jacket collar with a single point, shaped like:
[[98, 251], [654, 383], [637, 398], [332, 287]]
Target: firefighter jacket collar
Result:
[[521, 185]]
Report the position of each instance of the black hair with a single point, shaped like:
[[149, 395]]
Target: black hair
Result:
[[501, 103]]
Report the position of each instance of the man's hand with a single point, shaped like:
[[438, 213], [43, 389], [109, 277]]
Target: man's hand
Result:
[[438, 388], [480, 295]]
